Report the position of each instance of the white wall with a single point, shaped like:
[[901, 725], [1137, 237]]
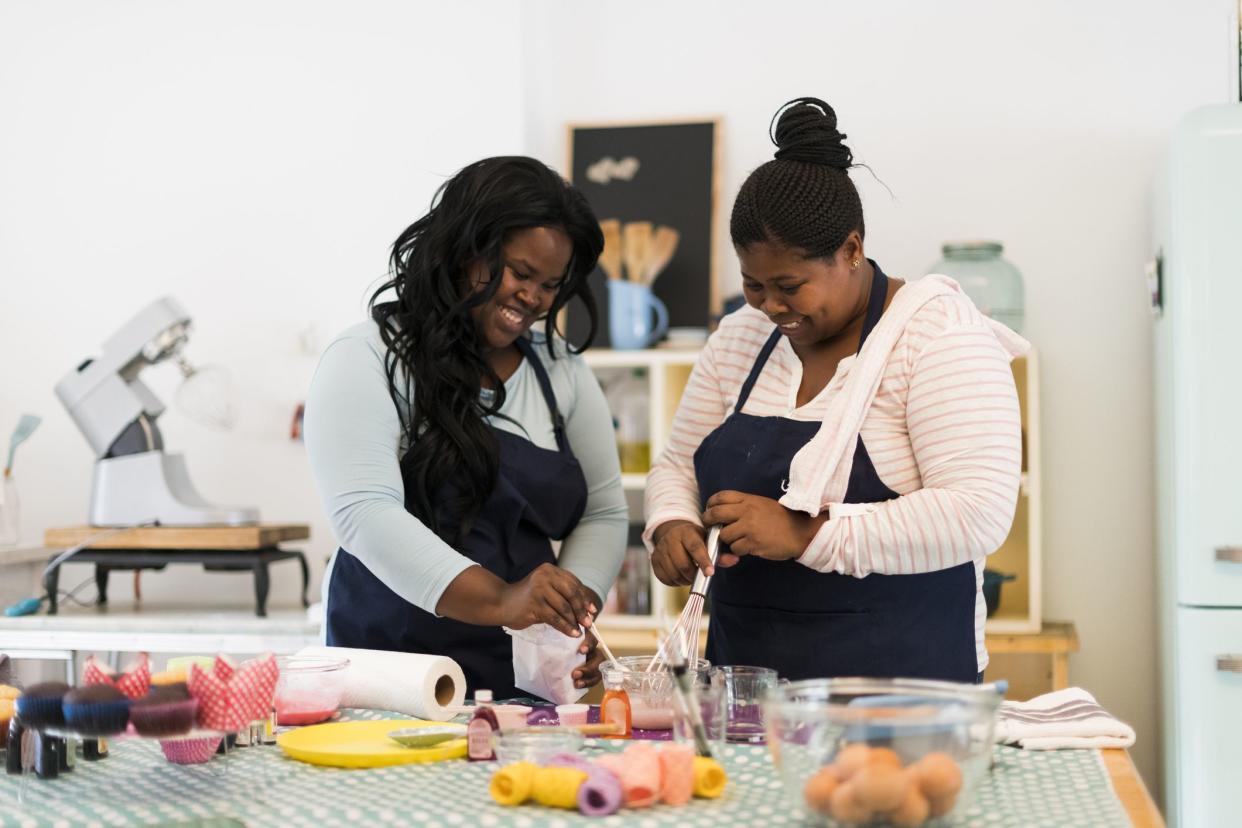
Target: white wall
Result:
[[1038, 124], [254, 160]]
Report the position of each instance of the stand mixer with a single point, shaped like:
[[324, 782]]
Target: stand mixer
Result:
[[135, 481]]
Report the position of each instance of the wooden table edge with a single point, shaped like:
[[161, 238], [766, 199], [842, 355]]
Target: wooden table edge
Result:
[[1130, 789]]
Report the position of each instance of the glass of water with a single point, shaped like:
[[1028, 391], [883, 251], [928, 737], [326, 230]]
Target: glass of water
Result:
[[744, 689]]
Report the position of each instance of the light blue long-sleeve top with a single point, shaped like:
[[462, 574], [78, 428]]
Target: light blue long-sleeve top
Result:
[[355, 443]]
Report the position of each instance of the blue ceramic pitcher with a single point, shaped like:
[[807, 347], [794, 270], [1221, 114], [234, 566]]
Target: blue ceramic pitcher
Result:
[[636, 318]]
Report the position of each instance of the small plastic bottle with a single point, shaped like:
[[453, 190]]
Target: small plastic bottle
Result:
[[482, 725], [615, 707]]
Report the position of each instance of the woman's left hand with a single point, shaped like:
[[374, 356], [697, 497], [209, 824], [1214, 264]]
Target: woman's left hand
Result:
[[588, 674], [760, 526]]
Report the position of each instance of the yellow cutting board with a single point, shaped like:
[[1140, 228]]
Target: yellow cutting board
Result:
[[363, 745]]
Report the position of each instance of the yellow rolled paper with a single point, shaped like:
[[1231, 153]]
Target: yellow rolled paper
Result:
[[511, 785], [558, 787], [709, 778]]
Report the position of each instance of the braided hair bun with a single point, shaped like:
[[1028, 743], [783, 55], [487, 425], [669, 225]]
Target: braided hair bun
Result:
[[804, 198], [805, 129]]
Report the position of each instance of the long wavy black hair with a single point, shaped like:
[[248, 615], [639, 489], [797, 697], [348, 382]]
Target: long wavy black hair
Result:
[[430, 335]]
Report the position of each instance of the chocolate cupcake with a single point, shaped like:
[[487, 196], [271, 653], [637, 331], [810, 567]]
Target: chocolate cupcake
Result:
[[40, 705], [96, 710], [166, 710]]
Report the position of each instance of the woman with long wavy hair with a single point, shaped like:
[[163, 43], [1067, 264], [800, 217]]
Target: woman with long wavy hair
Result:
[[452, 443]]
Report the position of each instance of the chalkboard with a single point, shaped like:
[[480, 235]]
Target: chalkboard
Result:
[[665, 174]]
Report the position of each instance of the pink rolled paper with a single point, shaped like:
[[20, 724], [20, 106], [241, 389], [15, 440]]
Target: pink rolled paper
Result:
[[677, 774]]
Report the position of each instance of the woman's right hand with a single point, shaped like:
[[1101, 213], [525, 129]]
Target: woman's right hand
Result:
[[680, 552], [548, 595]]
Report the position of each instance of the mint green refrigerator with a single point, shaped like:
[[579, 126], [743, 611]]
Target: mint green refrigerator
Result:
[[1195, 280]]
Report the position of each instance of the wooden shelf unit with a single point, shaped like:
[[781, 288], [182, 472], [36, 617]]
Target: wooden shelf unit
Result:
[[1020, 609]]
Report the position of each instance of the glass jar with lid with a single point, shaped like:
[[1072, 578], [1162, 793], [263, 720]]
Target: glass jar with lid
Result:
[[991, 281]]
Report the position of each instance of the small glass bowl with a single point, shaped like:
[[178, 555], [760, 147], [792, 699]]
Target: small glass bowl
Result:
[[651, 694], [535, 744], [309, 689]]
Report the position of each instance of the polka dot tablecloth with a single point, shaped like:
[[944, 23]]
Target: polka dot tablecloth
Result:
[[259, 786]]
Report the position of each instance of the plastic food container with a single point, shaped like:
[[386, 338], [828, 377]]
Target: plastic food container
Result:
[[853, 752], [651, 694], [572, 714], [535, 744], [511, 716], [309, 689]]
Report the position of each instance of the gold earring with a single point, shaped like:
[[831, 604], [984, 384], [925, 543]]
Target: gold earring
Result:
[[854, 264]]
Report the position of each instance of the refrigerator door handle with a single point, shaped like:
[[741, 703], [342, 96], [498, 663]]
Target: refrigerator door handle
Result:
[[1229, 663], [1229, 554]]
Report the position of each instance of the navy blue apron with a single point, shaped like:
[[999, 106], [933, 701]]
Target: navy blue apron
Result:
[[808, 624], [540, 495]]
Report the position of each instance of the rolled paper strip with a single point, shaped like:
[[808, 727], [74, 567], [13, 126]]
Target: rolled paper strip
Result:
[[601, 794], [677, 774], [570, 760], [709, 778], [511, 785], [558, 787], [641, 776]]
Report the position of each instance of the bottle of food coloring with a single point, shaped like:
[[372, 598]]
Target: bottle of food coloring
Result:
[[615, 707], [482, 725]]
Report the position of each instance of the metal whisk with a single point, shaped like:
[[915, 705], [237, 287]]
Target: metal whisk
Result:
[[684, 637]]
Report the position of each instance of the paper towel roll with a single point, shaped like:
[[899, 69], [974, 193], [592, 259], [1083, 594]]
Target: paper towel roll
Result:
[[411, 683]]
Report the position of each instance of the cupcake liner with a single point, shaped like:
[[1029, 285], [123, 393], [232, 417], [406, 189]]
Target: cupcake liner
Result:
[[37, 712], [134, 682], [171, 718], [230, 698], [97, 718], [190, 751]]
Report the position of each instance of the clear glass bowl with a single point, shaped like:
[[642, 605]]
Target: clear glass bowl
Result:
[[309, 689], [651, 694], [534, 744], [853, 751]]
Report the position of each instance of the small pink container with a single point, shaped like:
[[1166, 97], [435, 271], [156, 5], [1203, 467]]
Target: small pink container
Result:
[[511, 716], [570, 715]]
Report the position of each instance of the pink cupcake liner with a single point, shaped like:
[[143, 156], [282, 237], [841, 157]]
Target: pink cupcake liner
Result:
[[190, 751]]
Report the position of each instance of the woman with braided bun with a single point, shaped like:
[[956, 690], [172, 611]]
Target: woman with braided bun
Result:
[[856, 438]]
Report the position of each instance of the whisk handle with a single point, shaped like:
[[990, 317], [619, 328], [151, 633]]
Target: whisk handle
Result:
[[701, 581]]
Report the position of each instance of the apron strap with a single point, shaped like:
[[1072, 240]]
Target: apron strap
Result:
[[756, 370], [875, 303], [545, 385]]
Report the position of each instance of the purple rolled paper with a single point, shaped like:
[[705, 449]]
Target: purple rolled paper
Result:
[[600, 794]]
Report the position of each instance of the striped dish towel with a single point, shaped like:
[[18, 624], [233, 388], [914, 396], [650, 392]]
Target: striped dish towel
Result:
[[1070, 718]]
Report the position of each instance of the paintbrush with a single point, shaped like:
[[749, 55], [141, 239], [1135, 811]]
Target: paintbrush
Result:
[[599, 638], [610, 258], [688, 700], [635, 244], [660, 252]]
